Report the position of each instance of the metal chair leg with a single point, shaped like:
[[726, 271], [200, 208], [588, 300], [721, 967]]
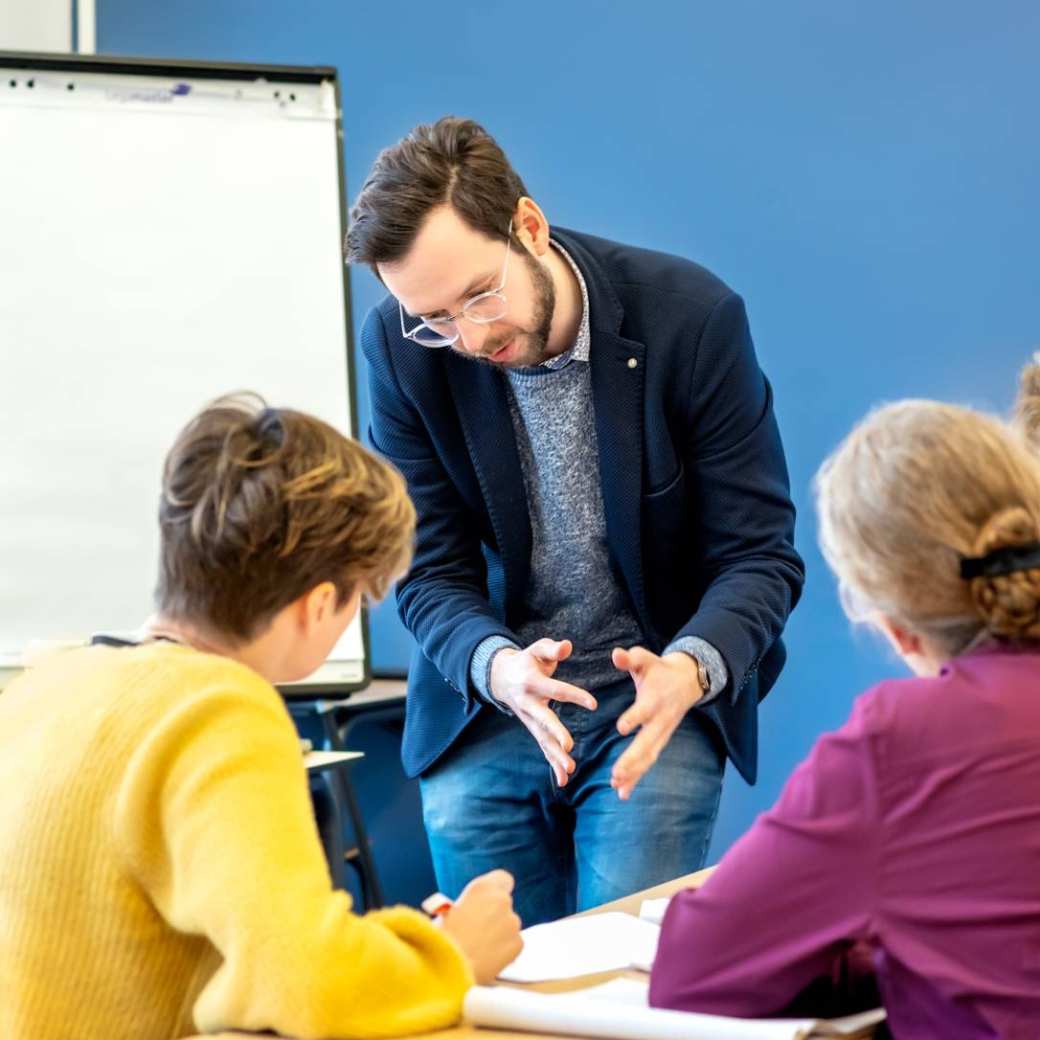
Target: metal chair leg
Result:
[[345, 810]]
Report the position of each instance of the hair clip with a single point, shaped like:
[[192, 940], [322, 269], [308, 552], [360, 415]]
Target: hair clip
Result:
[[1006, 560], [268, 423]]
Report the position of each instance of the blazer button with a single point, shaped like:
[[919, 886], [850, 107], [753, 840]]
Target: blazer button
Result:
[[632, 362]]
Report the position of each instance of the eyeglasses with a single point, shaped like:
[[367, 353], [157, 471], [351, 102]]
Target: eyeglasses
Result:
[[481, 309]]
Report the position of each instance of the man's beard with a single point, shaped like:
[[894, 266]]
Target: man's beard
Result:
[[535, 345]]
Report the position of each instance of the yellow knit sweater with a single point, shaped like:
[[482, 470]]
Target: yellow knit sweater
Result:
[[161, 872]]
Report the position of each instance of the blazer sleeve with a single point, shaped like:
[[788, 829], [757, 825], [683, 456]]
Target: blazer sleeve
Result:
[[744, 517], [789, 899], [443, 599]]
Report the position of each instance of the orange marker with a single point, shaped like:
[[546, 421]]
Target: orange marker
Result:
[[437, 905]]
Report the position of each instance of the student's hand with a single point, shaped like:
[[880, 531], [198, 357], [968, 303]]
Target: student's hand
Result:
[[666, 688], [484, 925], [522, 681]]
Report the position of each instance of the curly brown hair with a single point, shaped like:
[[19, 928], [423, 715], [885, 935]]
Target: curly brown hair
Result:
[[261, 504]]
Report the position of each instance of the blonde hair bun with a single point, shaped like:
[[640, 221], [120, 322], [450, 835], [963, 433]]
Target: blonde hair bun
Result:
[[1008, 603]]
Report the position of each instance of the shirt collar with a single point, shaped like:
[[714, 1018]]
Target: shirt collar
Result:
[[583, 341]]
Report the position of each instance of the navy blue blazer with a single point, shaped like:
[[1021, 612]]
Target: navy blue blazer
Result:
[[699, 518]]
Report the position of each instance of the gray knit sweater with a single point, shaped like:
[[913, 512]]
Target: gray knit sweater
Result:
[[573, 592]]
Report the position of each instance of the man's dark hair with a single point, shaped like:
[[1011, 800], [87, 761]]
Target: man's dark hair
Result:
[[453, 160]]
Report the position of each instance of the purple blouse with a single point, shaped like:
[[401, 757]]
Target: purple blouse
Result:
[[914, 830]]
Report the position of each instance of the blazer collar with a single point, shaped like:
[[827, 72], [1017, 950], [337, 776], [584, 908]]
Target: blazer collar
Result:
[[605, 310]]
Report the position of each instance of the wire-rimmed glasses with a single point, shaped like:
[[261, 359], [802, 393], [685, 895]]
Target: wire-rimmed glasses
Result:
[[481, 309]]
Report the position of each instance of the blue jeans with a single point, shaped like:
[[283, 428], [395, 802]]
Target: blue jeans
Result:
[[492, 801]]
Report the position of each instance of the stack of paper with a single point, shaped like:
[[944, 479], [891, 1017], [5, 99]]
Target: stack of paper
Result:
[[618, 1010]]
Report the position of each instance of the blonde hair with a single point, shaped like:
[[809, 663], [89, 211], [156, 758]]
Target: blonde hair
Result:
[[1027, 405], [259, 505], [916, 487]]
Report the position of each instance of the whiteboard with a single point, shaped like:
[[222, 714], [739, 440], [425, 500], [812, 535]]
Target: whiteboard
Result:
[[164, 239]]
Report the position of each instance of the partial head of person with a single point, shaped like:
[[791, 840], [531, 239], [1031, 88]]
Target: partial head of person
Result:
[[273, 526], [445, 222], [930, 517]]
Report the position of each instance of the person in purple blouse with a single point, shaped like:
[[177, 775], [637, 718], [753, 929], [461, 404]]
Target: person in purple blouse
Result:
[[909, 840]]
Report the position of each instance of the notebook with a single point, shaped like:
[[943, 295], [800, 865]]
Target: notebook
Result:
[[619, 1010]]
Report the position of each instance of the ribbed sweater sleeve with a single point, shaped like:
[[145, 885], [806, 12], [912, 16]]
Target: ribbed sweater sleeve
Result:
[[214, 822]]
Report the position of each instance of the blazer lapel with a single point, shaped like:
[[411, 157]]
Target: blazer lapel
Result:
[[618, 379], [618, 386], [481, 401]]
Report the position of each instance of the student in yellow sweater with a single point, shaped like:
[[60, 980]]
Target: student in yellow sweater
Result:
[[161, 872]]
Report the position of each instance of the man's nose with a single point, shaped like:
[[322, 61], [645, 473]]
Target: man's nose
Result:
[[472, 336]]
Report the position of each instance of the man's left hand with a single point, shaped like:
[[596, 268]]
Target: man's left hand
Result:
[[666, 688]]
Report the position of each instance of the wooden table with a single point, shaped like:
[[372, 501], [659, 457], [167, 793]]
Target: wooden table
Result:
[[630, 905]]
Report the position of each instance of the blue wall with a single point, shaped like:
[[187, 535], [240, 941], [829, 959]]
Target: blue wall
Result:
[[865, 174]]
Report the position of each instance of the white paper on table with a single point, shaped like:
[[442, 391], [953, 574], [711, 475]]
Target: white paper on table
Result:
[[653, 909], [584, 946], [618, 1010]]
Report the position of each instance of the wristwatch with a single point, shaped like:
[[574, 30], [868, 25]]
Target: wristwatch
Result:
[[703, 676]]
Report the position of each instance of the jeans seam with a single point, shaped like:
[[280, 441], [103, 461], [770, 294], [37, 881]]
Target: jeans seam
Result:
[[710, 829]]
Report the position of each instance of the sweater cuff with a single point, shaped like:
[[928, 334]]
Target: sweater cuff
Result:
[[480, 669], [714, 665]]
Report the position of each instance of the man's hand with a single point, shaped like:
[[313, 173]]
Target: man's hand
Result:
[[522, 681], [666, 688]]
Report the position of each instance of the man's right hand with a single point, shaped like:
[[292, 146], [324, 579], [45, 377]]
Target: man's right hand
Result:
[[522, 680], [485, 926]]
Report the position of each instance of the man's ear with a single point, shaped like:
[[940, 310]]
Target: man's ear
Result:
[[530, 226]]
